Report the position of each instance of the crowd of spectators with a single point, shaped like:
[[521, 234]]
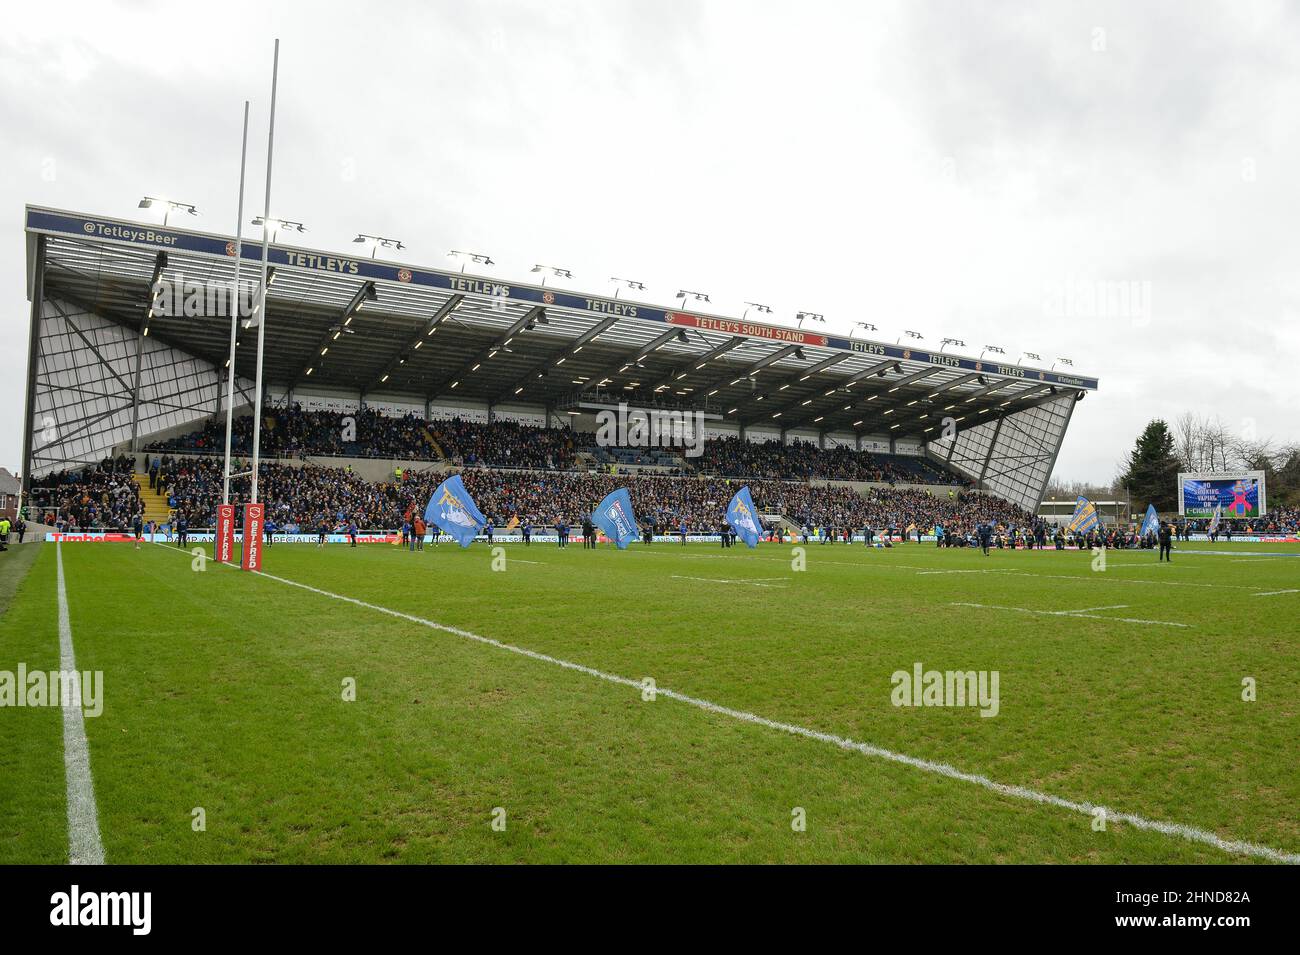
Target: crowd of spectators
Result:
[[539, 489], [293, 432], [305, 496], [804, 460], [508, 444], [1279, 520], [92, 498]]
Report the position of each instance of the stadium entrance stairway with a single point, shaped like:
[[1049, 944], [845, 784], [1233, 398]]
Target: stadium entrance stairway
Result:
[[155, 505], [781, 521]]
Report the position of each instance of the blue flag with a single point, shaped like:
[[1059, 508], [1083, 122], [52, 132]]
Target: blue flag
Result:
[[1085, 517], [453, 510], [614, 516], [743, 517], [1150, 523]]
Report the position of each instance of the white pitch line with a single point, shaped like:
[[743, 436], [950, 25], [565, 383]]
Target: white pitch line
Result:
[[84, 846], [1190, 833], [751, 581], [1274, 593], [1090, 609], [1073, 613]]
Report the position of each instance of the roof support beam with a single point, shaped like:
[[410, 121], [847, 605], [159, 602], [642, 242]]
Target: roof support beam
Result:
[[915, 376], [896, 385], [877, 369], [542, 368], [1020, 401], [752, 370], [652, 346], [416, 342], [805, 375], [697, 363], [160, 263], [365, 293], [955, 383], [33, 365], [451, 382]]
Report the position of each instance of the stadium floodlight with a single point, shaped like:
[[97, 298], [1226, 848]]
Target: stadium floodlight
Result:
[[279, 224], [910, 334], [801, 317], [763, 309], [698, 296], [865, 326], [630, 283], [478, 258], [554, 270], [952, 341], [147, 202], [378, 241], [1062, 361], [992, 348]]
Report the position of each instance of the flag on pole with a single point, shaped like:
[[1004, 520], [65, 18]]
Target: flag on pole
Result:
[[452, 509], [743, 517], [513, 522], [1085, 517], [1214, 521], [615, 518], [1150, 523]]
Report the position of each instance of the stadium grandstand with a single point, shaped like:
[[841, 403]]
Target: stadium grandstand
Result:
[[370, 365]]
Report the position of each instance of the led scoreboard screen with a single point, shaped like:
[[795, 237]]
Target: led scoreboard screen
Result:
[[1235, 494]]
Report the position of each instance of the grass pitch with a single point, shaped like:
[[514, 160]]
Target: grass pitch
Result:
[[224, 691]]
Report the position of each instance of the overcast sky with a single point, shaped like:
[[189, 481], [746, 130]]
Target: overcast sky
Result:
[[952, 168]]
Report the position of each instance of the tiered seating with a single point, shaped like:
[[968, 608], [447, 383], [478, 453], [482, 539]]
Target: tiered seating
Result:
[[514, 445]]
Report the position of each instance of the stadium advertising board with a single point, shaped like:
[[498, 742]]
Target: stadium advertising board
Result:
[[254, 515], [225, 549], [1237, 494]]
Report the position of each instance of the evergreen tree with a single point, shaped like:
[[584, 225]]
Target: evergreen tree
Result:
[[1152, 473]]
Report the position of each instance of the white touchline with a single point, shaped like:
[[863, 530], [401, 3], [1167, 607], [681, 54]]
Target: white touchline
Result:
[[1067, 613], [752, 581], [1274, 593], [1191, 833], [1073, 613], [84, 847]]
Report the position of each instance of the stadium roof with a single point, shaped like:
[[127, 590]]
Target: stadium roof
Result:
[[375, 327]]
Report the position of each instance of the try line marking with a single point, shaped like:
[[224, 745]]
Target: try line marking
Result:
[[84, 846], [1085, 612], [751, 581], [1190, 833]]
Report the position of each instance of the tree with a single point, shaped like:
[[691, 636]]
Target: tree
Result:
[[1153, 466]]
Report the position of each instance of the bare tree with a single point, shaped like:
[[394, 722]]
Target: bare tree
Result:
[[1187, 429]]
